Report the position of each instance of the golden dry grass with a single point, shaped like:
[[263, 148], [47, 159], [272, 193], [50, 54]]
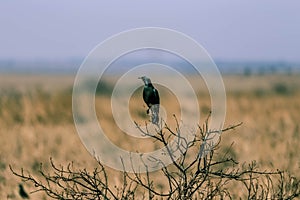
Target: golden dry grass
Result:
[[36, 124]]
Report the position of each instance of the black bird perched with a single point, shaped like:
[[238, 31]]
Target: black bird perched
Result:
[[22, 192], [151, 98]]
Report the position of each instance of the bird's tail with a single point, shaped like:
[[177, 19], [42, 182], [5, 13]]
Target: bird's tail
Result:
[[155, 114]]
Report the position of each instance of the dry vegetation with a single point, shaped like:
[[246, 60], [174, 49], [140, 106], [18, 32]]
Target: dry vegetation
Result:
[[36, 124]]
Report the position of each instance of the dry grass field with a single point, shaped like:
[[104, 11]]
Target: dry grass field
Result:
[[36, 123]]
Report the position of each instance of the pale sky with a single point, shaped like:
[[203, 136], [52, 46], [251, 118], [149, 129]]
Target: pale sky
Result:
[[267, 30]]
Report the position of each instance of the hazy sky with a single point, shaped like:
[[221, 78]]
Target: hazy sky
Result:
[[229, 30]]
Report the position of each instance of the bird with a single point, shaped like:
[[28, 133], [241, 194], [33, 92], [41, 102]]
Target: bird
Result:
[[22, 192], [151, 98]]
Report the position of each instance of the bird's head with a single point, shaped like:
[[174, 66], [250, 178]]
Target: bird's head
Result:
[[145, 79]]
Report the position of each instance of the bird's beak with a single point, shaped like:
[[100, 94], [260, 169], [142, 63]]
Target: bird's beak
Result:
[[139, 77]]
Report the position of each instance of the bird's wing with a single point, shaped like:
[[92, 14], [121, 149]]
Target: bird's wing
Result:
[[156, 96]]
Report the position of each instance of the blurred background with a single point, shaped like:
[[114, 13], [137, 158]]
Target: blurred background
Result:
[[56, 36], [255, 45]]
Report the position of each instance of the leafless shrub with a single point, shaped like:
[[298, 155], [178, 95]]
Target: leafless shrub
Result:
[[197, 174]]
